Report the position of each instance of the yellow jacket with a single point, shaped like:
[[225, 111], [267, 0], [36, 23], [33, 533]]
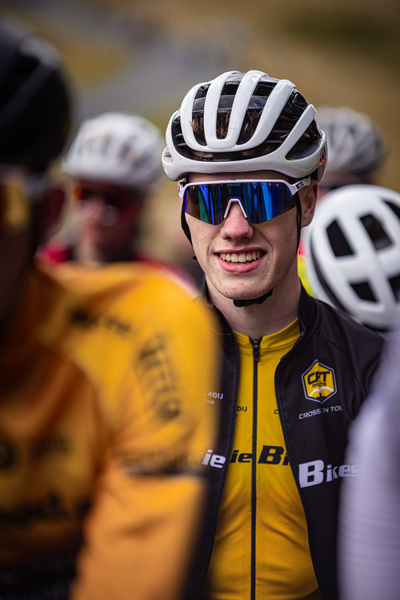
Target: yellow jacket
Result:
[[103, 418]]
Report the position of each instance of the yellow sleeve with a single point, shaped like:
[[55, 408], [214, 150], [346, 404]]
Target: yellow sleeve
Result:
[[149, 494]]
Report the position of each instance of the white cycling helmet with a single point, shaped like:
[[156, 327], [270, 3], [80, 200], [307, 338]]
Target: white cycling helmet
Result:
[[271, 126], [118, 148], [353, 253], [355, 142]]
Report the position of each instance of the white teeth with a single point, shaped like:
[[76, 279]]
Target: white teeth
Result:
[[242, 257]]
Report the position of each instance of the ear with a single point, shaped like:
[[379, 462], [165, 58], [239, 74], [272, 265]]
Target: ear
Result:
[[51, 207], [308, 199]]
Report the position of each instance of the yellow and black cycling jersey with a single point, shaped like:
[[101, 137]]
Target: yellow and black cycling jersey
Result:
[[291, 435], [104, 413], [261, 545]]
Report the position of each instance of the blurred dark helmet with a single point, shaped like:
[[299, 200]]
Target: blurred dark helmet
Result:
[[35, 107]]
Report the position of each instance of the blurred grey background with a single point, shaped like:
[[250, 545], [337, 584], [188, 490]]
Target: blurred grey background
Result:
[[144, 55]]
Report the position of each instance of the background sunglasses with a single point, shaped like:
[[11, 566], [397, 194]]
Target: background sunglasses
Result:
[[260, 201], [118, 198]]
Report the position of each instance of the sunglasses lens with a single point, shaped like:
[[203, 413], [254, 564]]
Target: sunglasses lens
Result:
[[261, 200], [205, 202], [110, 197]]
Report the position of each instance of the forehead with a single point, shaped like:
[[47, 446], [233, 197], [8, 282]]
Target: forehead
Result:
[[256, 175]]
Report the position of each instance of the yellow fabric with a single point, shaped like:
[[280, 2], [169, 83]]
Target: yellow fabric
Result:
[[302, 268], [283, 564], [104, 379]]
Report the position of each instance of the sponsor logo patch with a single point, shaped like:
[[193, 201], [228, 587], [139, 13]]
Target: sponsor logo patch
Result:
[[319, 382]]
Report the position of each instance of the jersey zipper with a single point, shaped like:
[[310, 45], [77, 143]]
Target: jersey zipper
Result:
[[256, 358]]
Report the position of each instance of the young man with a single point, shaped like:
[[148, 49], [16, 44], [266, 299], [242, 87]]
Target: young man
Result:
[[249, 155], [104, 409]]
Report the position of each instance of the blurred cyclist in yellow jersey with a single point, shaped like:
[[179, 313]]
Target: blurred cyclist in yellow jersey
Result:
[[105, 379]]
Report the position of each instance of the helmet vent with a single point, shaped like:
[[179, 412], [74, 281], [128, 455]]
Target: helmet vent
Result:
[[105, 143], [338, 241], [250, 123], [395, 208], [395, 285], [309, 141], [229, 89], [376, 232], [324, 284], [125, 151], [264, 89], [364, 291], [202, 91]]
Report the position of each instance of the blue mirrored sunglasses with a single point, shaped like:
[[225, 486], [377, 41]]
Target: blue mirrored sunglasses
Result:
[[260, 201]]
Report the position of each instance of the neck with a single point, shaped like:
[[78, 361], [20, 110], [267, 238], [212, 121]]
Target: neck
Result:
[[274, 314]]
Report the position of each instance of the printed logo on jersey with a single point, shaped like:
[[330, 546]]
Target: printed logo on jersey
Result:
[[158, 378], [213, 396], [319, 382], [316, 472]]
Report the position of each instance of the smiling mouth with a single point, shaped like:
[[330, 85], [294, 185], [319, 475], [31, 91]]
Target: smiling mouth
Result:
[[241, 257]]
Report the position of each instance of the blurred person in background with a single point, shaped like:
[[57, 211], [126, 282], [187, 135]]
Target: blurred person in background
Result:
[[104, 378], [114, 163], [356, 151], [248, 156], [353, 253], [369, 516], [357, 147]]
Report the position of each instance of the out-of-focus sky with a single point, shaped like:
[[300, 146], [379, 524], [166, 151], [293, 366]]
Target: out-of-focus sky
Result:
[[144, 55]]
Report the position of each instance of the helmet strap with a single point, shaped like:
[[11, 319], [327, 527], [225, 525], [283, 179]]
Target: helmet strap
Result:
[[185, 226], [299, 215], [260, 300]]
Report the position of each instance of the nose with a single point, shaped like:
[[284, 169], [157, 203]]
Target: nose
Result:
[[90, 208], [236, 225], [99, 211]]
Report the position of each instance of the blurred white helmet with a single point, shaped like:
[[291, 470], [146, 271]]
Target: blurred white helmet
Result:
[[353, 253], [355, 143], [269, 125], [118, 148]]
